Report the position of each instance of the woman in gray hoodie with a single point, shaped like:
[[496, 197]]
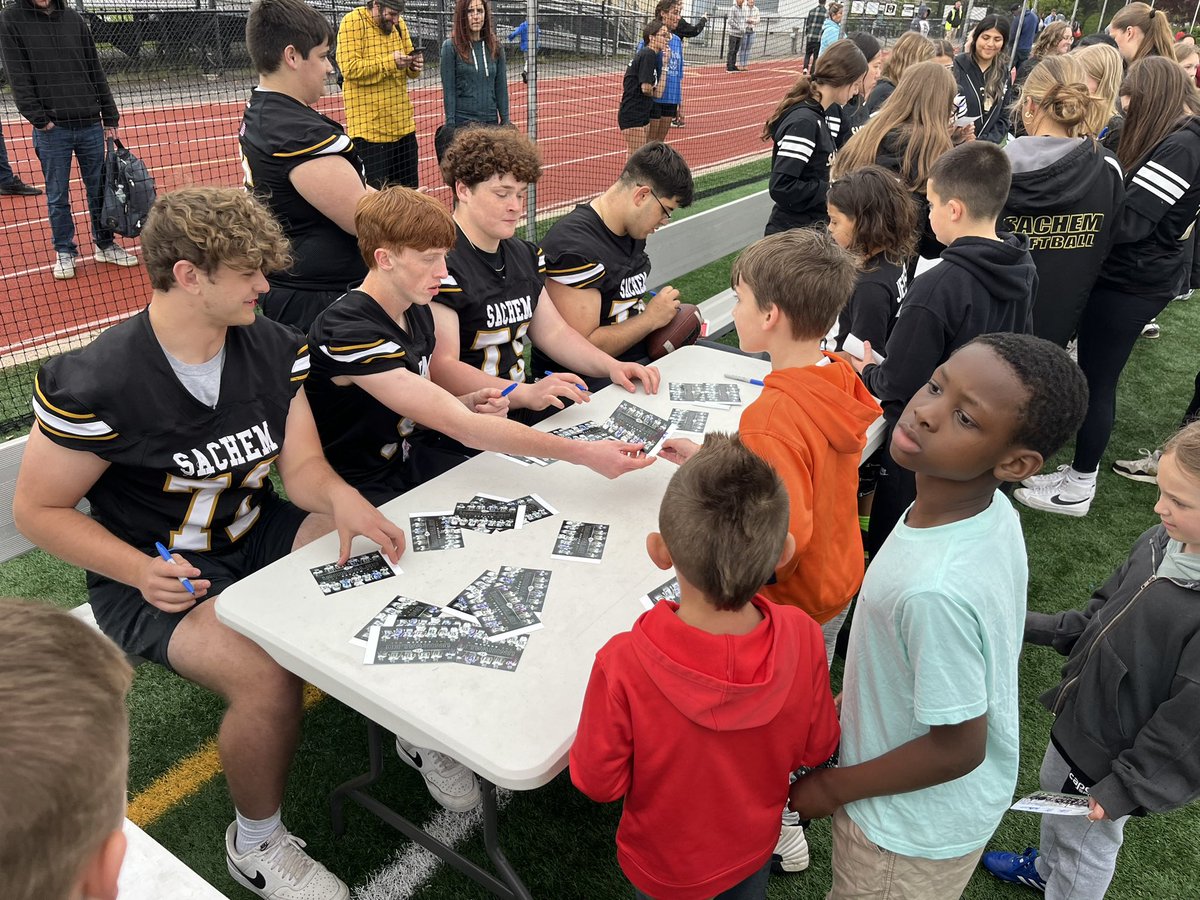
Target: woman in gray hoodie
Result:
[[474, 77]]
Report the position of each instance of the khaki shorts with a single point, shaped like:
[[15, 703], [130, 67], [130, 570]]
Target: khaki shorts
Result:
[[863, 870]]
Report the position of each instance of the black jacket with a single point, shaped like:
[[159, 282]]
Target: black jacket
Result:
[[879, 94], [686, 29], [980, 286], [1066, 197], [993, 124], [1127, 707], [800, 167], [1162, 198], [53, 66], [891, 156]]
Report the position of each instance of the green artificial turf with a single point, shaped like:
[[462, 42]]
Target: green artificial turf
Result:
[[561, 843]]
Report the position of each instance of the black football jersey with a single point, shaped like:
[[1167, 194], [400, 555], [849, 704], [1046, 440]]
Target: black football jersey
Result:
[[494, 308], [356, 336], [581, 252], [279, 133], [180, 472]]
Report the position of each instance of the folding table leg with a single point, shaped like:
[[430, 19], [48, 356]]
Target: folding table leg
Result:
[[491, 842], [337, 799]]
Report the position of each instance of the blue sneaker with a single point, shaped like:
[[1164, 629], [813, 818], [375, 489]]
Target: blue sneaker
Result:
[[1015, 868]]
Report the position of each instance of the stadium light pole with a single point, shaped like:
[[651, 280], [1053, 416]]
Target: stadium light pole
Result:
[[531, 33], [1195, 15]]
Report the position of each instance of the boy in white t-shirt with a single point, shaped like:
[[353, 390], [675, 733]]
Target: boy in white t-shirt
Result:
[[930, 710]]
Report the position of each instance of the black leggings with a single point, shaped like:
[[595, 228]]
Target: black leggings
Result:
[[1193, 410], [1108, 330]]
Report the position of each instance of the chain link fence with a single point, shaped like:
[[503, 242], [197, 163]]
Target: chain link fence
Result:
[[180, 75]]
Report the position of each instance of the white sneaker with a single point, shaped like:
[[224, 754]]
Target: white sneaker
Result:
[[450, 783], [1144, 469], [1066, 497], [1151, 329], [64, 266], [1039, 482], [116, 256], [279, 869], [791, 851]]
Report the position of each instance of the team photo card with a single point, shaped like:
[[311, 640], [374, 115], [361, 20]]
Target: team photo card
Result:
[[414, 641], [668, 590], [434, 531], [489, 514], [358, 570], [692, 420], [475, 649], [580, 541], [705, 394], [529, 586], [635, 425], [536, 508], [402, 609], [1052, 803]]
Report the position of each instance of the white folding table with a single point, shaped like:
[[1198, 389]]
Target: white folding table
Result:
[[514, 729]]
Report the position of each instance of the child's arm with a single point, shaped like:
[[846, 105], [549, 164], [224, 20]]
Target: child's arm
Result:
[[915, 348], [601, 757], [945, 753], [1061, 630], [795, 186]]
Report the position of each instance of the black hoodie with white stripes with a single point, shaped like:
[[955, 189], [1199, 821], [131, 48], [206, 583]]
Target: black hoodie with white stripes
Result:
[[804, 145], [1162, 199]]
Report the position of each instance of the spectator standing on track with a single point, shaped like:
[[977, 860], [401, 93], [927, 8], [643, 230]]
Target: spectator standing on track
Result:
[[60, 88], [1025, 26], [954, 19], [753, 17], [643, 84], [10, 184], [735, 30], [521, 34], [814, 24], [831, 31], [302, 165], [474, 76], [376, 58], [670, 107]]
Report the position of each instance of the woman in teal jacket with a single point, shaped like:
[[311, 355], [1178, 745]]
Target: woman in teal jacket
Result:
[[474, 77]]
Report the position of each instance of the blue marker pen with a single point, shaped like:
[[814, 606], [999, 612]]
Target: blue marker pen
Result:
[[744, 379], [508, 390], [582, 387], [165, 554]]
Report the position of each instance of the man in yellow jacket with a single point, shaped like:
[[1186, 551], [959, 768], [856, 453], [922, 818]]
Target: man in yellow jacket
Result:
[[375, 55]]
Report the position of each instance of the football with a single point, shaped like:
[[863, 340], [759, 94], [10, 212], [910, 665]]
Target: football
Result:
[[681, 331]]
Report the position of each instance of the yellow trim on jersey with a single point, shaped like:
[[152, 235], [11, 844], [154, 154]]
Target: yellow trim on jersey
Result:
[[325, 143], [565, 271], [62, 412], [78, 437], [450, 290], [299, 377], [371, 359], [350, 347], [302, 350]]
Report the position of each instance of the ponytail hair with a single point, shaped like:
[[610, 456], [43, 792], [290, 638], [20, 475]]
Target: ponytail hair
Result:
[[911, 47], [1152, 23], [841, 64], [1057, 86]]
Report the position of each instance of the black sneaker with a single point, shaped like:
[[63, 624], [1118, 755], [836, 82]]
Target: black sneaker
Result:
[[18, 188]]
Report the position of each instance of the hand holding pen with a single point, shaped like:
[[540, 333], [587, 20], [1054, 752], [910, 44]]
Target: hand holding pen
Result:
[[170, 582]]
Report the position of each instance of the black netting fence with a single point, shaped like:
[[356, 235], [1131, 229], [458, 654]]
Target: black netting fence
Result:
[[180, 76]]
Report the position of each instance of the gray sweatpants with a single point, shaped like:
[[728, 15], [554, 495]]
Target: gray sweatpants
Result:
[[1077, 856]]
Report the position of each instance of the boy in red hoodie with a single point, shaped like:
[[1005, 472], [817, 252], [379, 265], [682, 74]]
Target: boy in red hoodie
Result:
[[810, 423], [724, 689]]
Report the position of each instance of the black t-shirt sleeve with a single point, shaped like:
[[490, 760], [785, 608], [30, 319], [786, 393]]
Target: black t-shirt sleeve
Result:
[[648, 66], [292, 136], [795, 184], [870, 310]]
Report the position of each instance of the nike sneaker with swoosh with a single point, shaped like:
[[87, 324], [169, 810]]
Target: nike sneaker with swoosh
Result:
[[450, 783], [1061, 495], [279, 869]]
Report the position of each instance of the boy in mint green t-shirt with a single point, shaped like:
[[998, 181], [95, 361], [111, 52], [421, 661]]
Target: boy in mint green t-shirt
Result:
[[929, 705]]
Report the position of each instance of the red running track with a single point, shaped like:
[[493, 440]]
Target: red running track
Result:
[[196, 144]]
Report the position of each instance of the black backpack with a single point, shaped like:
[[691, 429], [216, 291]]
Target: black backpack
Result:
[[128, 191]]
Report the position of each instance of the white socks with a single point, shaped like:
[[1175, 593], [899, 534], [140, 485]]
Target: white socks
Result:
[[1081, 479], [252, 832]]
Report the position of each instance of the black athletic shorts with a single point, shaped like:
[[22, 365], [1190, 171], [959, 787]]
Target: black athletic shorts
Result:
[[144, 630], [665, 111], [633, 118]]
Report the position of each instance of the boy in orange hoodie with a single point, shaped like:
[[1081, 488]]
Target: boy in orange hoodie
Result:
[[698, 714], [810, 424]]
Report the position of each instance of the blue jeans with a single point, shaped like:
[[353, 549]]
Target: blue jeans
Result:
[[54, 149], [744, 50]]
